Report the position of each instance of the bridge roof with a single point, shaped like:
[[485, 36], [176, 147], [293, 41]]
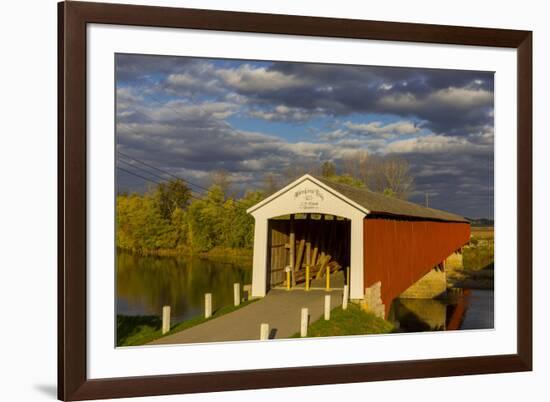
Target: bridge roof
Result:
[[378, 203], [373, 203]]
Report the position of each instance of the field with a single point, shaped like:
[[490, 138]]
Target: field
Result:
[[483, 232]]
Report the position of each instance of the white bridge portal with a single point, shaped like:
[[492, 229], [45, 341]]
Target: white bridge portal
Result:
[[307, 195]]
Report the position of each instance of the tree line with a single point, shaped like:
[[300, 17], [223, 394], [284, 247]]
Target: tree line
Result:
[[389, 175], [168, 217]]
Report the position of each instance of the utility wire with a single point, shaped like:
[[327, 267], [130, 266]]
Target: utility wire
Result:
[[162, 171], [142, 170], [154, 167], [160, 183], [192, 196], [170, 174], [137, 175], [157, 176], [166, 104]]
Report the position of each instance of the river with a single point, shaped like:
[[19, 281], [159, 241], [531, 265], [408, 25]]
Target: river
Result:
[[464, 309], [146, 283]]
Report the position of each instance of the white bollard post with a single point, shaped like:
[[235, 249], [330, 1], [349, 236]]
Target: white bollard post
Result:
[[247, 290], [165, 319], [327, 307], [236, 294], [207, 305], [346, 298], [264, 331], [304, 322]]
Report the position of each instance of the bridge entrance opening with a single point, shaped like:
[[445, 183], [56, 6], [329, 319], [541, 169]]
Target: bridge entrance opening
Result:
[[303, 249]]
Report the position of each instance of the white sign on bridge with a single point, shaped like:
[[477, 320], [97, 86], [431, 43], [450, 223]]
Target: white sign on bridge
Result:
[[309, 198]]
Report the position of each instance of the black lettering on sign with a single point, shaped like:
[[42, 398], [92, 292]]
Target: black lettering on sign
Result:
[[309, 198]]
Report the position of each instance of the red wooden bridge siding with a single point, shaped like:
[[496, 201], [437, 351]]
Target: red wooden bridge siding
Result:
[[399, 252]]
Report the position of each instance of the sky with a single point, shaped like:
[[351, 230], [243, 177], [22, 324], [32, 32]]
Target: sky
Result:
[[191, 117]]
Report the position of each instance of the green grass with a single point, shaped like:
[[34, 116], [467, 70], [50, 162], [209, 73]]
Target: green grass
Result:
[[130, 330], [139, 330], [480, 255], [476, 278], [225, 253], [353, 321], [478, 262]]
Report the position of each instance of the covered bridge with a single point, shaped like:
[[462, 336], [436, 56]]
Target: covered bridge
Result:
[[387, 243]]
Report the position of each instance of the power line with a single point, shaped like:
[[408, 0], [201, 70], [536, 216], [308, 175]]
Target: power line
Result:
[[152, 174], [137, 175], [172, 175], [154, 167], [152, 119], [162, 171], [146, 164], [141, 169], [159, 183], [190, 195]]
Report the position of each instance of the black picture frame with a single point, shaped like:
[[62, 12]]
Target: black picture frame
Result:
[[73, 17]]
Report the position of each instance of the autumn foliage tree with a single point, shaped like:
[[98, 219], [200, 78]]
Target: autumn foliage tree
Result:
[[167, 217], [171, 196], [391, 176]]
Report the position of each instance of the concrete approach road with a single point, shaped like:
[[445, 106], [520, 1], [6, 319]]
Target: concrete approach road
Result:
[[281, 309]]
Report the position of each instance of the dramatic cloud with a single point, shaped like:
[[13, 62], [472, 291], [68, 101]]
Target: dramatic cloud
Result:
[[389, 130], [193, 116], [177, 112], [436, 144], [283, 113], [249, 79]]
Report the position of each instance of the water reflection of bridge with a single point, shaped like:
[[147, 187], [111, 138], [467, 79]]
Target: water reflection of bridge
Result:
[[444, 314]]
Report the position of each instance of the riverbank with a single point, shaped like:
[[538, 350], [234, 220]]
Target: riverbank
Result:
[[241, 254], [140, 330], [478, 262]]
